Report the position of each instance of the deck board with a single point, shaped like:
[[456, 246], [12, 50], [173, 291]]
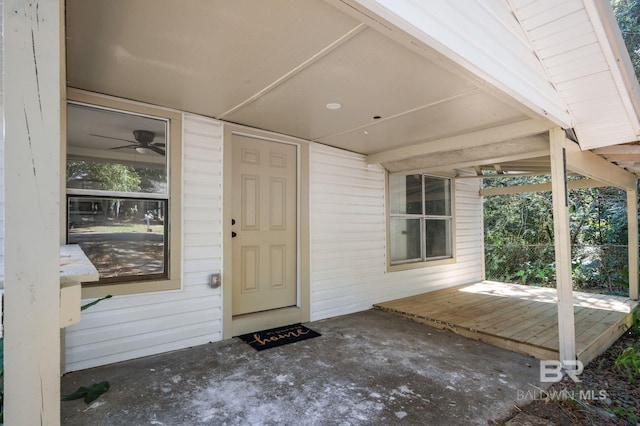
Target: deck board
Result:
[[519, 318]]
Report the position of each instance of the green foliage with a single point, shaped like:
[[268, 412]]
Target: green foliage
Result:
[[628, 362], [518, 218], [108, 176], [601, 267], [627, 14], [635, 326], [519, 236], [626, 413], [536, 273], [151, 178]]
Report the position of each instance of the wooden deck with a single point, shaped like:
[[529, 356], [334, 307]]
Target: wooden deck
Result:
[[520, 318]]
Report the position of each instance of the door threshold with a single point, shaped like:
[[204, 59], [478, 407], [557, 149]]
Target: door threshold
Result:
[[247, 323]]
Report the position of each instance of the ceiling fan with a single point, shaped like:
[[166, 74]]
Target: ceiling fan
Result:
[[143, 142]]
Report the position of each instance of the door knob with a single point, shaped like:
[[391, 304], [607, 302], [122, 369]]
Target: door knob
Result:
[[233, 221], [233, 234]]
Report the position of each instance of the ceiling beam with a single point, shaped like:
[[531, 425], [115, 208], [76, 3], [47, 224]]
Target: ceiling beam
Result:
[[631, 149], [499, 152], [472, 163], [540, 187], [506, 175], [591, 165], [516, 130], [629, 158], [620, 153]]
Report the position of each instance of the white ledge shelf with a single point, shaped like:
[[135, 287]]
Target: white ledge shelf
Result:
[[75, 269], [75, 266]]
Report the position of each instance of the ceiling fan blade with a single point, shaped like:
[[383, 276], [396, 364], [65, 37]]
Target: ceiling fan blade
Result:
[[156, 149], [126, 146], [109, 137], [144, 139]]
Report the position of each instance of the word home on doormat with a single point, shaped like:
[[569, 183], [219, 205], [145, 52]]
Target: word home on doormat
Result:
[[265, 339]]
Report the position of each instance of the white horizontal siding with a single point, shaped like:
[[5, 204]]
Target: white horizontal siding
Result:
[[348, 256], [486, 39], [126, 327], [348, 238]]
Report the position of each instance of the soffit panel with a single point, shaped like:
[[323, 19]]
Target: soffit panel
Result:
[[484, 38], [473, 112], [560, 62], [548, 35], [369, 76], [539, 13], [199, 56], [570, 39]]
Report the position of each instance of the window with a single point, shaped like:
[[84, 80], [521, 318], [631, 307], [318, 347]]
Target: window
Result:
[[420, 222], [119, 198]]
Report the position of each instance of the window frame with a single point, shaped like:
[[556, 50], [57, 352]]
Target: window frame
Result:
[[126, 279], [172, 279], [423, 218]]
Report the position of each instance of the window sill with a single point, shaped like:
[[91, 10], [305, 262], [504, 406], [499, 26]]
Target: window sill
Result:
[[94, 291], [418, 265]]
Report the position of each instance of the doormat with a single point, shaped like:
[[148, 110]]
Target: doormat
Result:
[[265, 339]]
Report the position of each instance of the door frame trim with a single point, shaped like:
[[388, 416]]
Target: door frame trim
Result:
[[233, 326]]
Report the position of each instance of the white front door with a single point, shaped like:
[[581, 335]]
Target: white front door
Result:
[[264, 225]]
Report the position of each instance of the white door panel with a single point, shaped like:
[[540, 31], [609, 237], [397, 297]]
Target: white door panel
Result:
[[264, 212]]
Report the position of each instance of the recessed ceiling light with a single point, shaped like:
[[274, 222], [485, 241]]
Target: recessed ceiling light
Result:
[[334, 105]]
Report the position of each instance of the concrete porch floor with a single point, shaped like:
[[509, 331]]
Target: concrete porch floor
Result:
[[368, 368]]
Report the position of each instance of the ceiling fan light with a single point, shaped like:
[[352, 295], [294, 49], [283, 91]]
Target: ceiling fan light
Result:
[[143, 150]]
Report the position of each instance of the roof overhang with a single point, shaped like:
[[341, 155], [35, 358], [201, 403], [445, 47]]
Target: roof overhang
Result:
[[580, 45]]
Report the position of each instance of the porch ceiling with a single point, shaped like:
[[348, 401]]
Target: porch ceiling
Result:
[[277, 64]]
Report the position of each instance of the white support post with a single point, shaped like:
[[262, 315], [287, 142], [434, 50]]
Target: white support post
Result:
[[562, 241], [632, 218], [32, 61]]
